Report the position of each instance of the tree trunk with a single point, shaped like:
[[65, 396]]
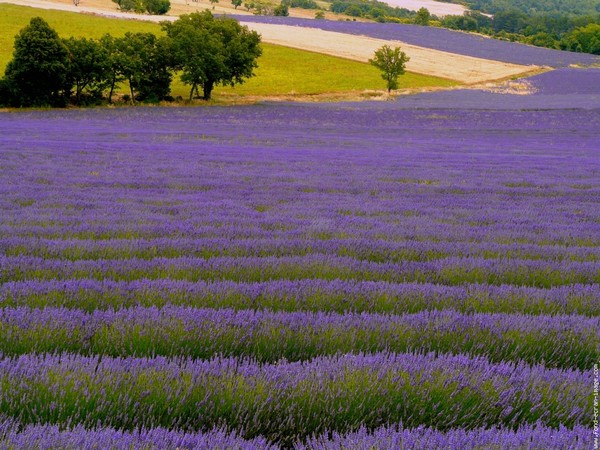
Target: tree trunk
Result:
[[78, 89], [208, 87], [112, 88], [194, 87], [132, 93]]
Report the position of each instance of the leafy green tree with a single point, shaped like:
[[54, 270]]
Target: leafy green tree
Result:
[[211, 51], [158, 7], [282, 10], [353, 10], [115, 63], [145, 62], [583, 39], [38, 72], [236, 3], [511, 21], [542, 39], [89, 69], [423, 17], [391, 62], [130, 5]]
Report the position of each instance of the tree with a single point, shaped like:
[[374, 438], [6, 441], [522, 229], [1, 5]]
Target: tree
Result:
[[423, 17], [115, 61], [212, 51], [282, 10], [542, 39], [392, 62], [158, 7], [236, 3], [145, 62], [583, 39], [89, 68], [38, 72], [140, 6]]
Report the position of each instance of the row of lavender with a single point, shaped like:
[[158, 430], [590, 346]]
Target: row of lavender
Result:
[[80, 438], [289, 401], [450, 271], [304, 295], [299, 276], [559, 341]]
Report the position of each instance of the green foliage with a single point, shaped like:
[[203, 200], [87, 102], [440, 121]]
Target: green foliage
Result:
[[145, 61], [470, 21], [304, 4], [236, 3], [543, 39], [319, 15], [158, 7], [212, 51], [511, 21], [130, 5], [373, 9], [534, 7], [38, 72], [551, 31], [281, 71], [391, 62], [115, 61], [423, 17], [282, 10], [585, 39], [89, 69]]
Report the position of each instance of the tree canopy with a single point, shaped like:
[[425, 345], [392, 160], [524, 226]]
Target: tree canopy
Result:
[[211, 51], [38, 73], [391, 62], [46, 70]]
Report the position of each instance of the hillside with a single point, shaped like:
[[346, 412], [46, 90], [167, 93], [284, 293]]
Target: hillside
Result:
[[281, 71], [469, 44], [424, 60], [571, 7]]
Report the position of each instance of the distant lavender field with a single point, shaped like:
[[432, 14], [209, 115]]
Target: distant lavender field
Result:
[[558, 89], [443, 39], [307, 276]]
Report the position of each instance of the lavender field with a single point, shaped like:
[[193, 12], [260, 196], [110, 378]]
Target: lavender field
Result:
[[470, 44], [302, 276]]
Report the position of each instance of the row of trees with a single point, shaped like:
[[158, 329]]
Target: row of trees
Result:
[[207, 51], [141, 6], [579, 34]]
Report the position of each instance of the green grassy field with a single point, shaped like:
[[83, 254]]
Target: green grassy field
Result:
[[281, 70]]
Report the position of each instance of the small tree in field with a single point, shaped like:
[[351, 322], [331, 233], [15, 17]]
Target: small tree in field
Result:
[[392, 62]]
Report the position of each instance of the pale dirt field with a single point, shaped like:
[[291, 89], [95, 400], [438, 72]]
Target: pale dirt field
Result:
[[461, 68], [437, 8]]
